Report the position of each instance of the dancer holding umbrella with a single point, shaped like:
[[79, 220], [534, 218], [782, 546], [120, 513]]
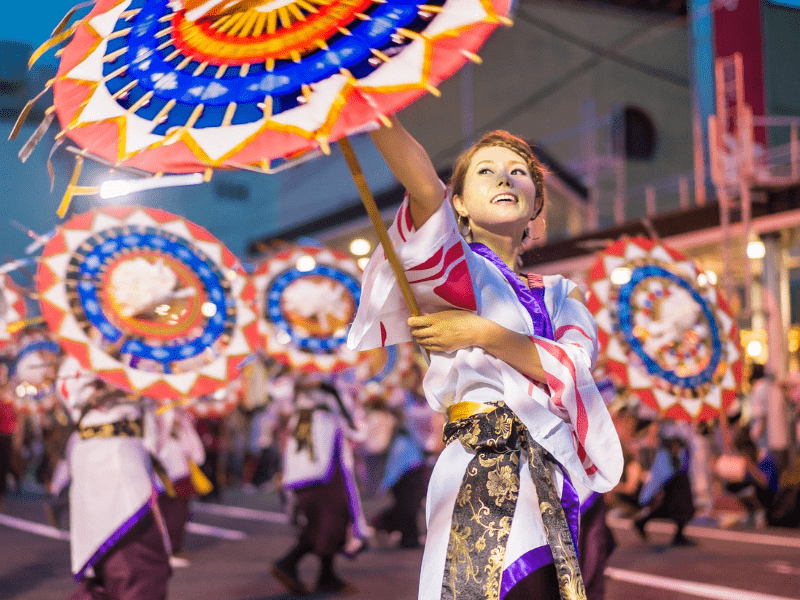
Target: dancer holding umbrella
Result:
[[511, 361]]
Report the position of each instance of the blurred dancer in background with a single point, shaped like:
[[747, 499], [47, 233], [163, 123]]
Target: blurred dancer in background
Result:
[[667, 493], [405, 477], [180, 451], [8, 425], [318, 468], [118, 541]]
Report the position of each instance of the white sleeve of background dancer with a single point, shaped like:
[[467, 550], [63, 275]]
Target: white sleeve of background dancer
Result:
[[189, 439]]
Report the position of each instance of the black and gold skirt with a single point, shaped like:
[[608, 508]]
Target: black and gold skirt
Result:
[[486, 502]]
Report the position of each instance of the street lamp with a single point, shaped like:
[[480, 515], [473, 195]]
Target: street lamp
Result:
[[360, 247]]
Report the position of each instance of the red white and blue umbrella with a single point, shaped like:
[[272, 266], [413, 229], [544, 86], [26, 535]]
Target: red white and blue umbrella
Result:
[[384, 367], [175, 87], [33, 373], [148, 301], [666, 333], [183, 86], [307, 298]]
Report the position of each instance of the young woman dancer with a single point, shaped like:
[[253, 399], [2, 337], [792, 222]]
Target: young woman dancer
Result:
[[510, 365]]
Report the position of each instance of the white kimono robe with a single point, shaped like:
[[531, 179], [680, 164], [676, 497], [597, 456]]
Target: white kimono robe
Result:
[[111, 488], [567, 416], [332, 439]]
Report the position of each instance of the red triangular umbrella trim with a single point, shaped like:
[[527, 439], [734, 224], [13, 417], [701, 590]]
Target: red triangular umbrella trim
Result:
[[119, 378], [53, 315]]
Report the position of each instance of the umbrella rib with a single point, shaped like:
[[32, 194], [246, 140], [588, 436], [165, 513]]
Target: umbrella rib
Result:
[[229, 112], [184, 63], [266, 106], [261, 23], [124, 90], [248, 26], [162, 114], [115, 55], [307, 5], [298, 14], [272, 21], [163, 32], [286, 19]]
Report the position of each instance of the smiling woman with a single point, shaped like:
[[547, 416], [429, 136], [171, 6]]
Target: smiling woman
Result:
[[499, 170], [510, 366]]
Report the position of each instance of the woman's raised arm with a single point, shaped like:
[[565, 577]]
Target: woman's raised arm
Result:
[[412, 166]]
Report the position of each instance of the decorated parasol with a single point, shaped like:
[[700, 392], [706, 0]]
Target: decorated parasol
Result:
[[385, 366], [179, 86], [666, 334], [148, 301], [307, 298], [12, 308], [185, 86], [33, 373]]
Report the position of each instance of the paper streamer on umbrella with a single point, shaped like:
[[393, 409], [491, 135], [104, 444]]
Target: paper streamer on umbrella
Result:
[[149, 301], [307, 298], [666, 333]]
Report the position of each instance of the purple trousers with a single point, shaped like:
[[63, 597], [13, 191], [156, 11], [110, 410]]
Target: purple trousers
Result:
[[137, 568], [176, 512], [326, 510]]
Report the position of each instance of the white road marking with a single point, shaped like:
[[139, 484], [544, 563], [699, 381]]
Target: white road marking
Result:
[[32, 527], [237, 512], [714, 534], [702, 590], [60, 534], [219, 532]]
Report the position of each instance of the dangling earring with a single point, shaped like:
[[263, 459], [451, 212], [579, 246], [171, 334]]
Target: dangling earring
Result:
[[526, 233], [463, 226], [527, 236]]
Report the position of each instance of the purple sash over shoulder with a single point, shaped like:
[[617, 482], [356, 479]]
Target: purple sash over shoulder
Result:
[[531, 298]]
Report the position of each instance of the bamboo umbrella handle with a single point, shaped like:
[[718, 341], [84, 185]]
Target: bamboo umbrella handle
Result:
[[378, 224]]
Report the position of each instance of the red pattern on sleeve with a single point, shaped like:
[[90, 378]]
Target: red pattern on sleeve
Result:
[[565, 328]]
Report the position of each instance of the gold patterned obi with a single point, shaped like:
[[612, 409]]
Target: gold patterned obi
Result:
[[123, 428], [486, 501], [303, 433]]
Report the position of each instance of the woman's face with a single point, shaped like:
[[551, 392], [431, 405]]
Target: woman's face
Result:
[[499, 194]]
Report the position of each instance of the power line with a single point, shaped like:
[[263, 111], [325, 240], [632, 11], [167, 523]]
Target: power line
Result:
[[605, 53], [528, 102]]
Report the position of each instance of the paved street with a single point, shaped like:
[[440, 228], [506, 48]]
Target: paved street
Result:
[[231, 546]]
